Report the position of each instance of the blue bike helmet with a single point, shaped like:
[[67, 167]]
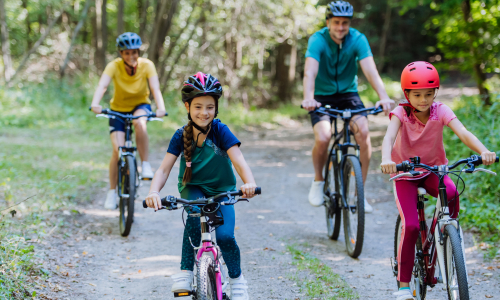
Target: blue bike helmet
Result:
[[128, 40], [339, 9]]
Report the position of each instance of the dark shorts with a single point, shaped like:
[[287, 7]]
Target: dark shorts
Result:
[[337, 101], [119, 125]]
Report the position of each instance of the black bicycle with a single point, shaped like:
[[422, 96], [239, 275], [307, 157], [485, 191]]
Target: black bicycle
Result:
[[128, 177], [211, 276], [344, 191]]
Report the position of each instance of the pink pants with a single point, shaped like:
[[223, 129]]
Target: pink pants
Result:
[[406, 200]]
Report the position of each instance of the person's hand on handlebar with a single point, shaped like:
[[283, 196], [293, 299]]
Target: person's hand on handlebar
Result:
[[97, 109], [310, 104], [387, 105], [248, 190], [160, 113], [388, 167], [488, 157], [153, 200]]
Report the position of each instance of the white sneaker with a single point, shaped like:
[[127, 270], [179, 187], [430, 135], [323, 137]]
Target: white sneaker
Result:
[[238, 288], [182, 282], [147, 173], [404, 295], [110, 200], [316, 193], [368, 207]]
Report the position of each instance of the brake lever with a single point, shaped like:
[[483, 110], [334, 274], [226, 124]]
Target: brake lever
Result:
[[484, 170], [407, 174], [243, 199], [155, 119]]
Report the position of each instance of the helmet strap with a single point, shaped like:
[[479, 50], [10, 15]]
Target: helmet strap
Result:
[[134, 69], [201, 129]]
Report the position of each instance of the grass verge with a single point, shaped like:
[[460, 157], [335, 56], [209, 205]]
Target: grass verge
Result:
[[323, 282]]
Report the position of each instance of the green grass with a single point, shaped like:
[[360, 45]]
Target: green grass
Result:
[[326, 284]]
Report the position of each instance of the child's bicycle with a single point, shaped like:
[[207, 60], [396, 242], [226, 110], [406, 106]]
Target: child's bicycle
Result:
[[128, 177], [442, 244], [210, 281]]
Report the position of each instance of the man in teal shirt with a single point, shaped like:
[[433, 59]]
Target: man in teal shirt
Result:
[[330, 78]]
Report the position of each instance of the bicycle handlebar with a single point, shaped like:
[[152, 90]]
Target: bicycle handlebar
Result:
[[407, 166], [169, 200], [347, 113], [107, 111]]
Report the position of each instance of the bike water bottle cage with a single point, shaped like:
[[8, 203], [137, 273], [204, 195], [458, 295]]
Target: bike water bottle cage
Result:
[[213, 214]]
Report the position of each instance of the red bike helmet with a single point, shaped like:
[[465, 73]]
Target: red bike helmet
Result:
[[418, 75]]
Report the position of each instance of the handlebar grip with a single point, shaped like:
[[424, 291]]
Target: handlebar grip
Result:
[[400, 168], [257, 190], [480, 160], [144, 204]]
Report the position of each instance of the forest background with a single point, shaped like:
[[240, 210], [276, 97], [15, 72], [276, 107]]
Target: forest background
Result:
[[54, 51]]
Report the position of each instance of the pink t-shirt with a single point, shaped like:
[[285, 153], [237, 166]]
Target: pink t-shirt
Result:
[[418, 139]]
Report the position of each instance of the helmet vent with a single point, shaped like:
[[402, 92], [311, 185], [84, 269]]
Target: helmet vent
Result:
[[431, 81], [429, 68], [412, 69], [414, 82]]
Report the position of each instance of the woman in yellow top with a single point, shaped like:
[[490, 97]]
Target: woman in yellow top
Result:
[[130, 74]]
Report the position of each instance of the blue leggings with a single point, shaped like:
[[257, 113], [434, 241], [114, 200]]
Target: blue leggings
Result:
[[224, 234]]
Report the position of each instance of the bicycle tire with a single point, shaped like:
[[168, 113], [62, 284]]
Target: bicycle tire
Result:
[[332, 209], [421, 292], [128, 187], [353, 182], [205, 277], [454, 261]]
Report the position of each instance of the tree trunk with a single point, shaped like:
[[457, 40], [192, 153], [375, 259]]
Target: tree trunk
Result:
[[28, 24], [476, 56], [161, 29], [99, 61], [142, 7], [120, 26], [285, 70], [75, 34], [104, 32], [37, 44], [7, 60], [385, 33]]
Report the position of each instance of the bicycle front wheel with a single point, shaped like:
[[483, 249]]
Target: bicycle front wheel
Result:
[[128, 180], [332, 209], [456, 273], [354, 213], [205, 277]]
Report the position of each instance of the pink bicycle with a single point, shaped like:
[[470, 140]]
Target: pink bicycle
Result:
[[210, 281]]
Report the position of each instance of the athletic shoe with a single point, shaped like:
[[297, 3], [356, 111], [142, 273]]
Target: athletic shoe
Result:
[[110, 200], [182, 282], [368, 207], [238, 288], [404, 295], [147, 173], [316, 193]]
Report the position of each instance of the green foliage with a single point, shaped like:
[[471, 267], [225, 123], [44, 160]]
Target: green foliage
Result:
[[480, 206]]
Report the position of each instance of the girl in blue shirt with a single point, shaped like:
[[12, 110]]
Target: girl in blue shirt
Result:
[[209, 149]]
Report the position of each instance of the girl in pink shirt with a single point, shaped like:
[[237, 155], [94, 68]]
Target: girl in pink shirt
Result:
[[416, 129]]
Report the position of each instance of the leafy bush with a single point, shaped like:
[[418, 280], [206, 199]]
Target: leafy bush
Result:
[[480, 203]]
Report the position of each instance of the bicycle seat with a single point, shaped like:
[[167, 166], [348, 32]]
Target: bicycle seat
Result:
[[421, 191]]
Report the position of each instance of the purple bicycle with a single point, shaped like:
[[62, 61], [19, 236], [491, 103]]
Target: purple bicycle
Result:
[[210, 281]]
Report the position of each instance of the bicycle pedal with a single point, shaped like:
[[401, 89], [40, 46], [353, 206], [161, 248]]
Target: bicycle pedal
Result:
[[183, 294], [146, 179]]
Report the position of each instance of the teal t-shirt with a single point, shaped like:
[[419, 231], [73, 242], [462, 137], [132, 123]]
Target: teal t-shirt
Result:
[[338, 66], [211, 166]]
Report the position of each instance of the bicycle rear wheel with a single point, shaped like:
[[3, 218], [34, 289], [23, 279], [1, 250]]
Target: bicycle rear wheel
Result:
[[205, 277], [418, 287], [127, 178], [332, 209], [456, 273], [354, 213]]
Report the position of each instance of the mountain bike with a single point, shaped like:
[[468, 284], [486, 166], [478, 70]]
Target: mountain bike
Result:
[[442, 243], [128, 177], [344, 191], [211, 279]]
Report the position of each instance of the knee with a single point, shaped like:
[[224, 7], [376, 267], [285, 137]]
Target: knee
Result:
[[140, 126], [412, 229], [225, 239], [322, 141]]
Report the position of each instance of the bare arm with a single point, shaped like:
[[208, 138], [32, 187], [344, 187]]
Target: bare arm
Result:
[[310, 72], [154, 85], [370, 70], [388, 166], [161, 175], [472, 141], [243, 170], [99, 92]]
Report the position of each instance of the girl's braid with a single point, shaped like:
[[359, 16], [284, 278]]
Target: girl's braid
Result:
[[187, 136]]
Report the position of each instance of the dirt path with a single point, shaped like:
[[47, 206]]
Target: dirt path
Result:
[[94, 262]]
